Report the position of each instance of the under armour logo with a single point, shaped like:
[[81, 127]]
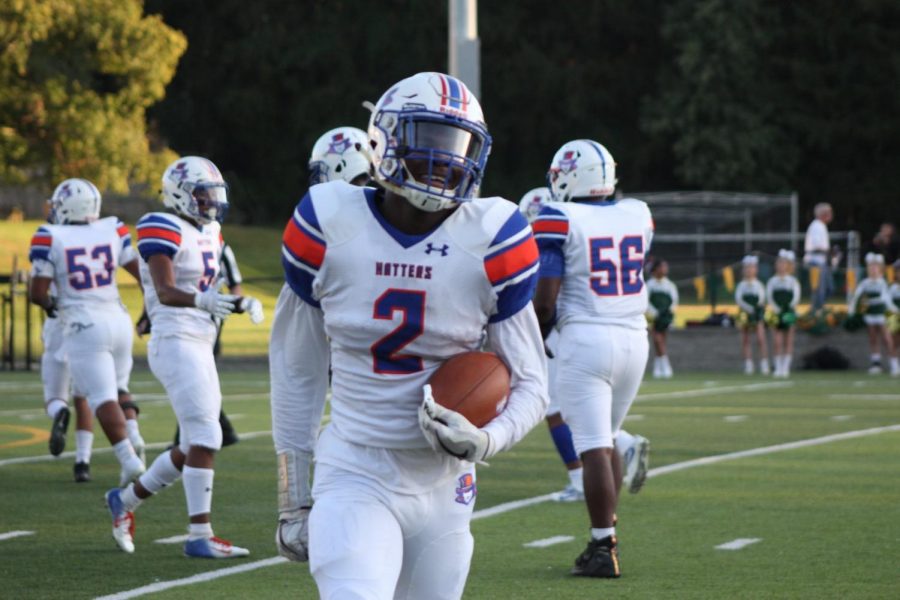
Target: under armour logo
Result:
[[444, 250], [79, 327]]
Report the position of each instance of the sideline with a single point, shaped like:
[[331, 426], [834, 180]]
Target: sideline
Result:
[[514, 505]]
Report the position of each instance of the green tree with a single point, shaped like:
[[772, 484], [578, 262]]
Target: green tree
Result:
[[76, 79]]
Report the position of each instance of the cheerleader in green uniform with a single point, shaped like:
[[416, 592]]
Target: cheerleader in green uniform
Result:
[[872, 299], [783, 294], [750, 296], [894, 318], [662, 298]]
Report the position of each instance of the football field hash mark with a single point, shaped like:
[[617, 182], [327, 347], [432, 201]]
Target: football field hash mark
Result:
[[735, 418], [550, 541], [841, 417], [14, 534], [738, 543], [175, 539]]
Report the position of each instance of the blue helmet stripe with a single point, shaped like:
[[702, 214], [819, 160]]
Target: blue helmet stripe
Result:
[[454, 93], [602, 158]]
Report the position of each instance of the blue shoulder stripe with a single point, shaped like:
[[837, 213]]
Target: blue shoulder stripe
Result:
[[308, 213], [514, 224], [158, 220]]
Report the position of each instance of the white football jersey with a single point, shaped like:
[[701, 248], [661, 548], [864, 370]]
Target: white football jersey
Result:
[[82, 261], [395, 305], [598, 249], [195, 253]]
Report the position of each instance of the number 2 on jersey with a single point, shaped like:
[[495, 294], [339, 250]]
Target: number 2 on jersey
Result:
[[386, 356], [623, 279]]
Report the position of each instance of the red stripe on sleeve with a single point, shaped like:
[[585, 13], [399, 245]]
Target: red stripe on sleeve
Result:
[[512, 260], [123, 230], [159, 233], [551, 226], [41, 240], [303, 246]]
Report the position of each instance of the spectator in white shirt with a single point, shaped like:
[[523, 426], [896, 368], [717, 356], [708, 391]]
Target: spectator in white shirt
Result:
[[817, 251]]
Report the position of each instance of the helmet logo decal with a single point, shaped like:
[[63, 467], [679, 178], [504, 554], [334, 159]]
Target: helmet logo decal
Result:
[[389, 97], [569, 161], [65, 191], [454, 95], [179, 172], [339, 144]]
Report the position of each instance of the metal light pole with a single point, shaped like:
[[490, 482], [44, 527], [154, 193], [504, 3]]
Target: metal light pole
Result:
[[464, 47]]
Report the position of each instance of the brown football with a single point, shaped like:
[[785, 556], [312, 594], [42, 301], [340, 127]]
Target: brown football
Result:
[[474, 384]]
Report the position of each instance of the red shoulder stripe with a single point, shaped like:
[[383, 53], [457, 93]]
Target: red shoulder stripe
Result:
[[147, 233], [551, 226], [302, 245], [511, 261]]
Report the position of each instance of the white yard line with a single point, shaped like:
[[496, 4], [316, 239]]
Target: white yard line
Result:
[[735, 418], [738, 543], [14, 534], [198, 578], [144, 399], [841, 417], [712, 391], [154, 446], [864, 396], [516, 504], [550, 541]]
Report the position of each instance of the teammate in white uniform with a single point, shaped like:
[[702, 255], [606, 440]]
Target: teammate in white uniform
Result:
[[750, 295], [400, 279], [180, 267], [783, 295], [592, 289], [79, 256], [340, 154], [872, 299]]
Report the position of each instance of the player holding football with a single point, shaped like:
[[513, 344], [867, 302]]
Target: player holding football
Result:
[[78, 255], [592, 289], [634, 449], [180, 262], [400, 278]]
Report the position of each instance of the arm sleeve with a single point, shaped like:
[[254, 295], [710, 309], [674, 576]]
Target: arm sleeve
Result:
[[230, 267], [796, 299], [651, 310], [298, 368], [41, 242], [674, 295], [738, 292], [127, 252], [853, 305], [518, 342], [551, 230], [511, 267], [770, 296], [158, 234], [41, 267], [303, 250], [888, 300]]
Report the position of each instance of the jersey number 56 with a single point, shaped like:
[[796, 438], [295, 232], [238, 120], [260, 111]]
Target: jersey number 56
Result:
[[622, 278]]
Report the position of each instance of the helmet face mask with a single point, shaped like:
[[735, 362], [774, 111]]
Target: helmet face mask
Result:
[[432, 148], [74, 201], [194, 188]]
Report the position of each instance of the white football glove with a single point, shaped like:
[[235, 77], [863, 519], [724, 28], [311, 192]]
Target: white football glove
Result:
[[215, 302], [294, 502], [253, 308], [448, 431]]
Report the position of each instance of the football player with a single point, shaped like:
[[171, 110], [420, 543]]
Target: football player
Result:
[[750, 296], [78, 255], [662, 302], [180, 262], [783, 295], [340, 154], [872, 299], [400, 278], [592, 289]]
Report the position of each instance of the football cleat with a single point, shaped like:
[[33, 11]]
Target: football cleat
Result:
[[570, 494], [82, 472], [213, 547], [636, 459], [599, 559], [122, 520], [58, 431]]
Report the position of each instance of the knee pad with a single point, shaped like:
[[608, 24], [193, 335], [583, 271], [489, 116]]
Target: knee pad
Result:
[[200, 432]]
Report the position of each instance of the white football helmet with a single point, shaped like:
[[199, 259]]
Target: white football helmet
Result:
[[193, 187], [74, 201], [341, 153], [429, 142], [582, 169], [531, 203]]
